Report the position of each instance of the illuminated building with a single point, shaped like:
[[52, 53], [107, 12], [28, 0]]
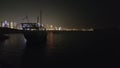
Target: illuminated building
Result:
[[11, 25], [14, 25], [5, 24], [51, 27], [60, 28], [18, 26]]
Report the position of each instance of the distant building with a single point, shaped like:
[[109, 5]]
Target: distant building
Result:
[[60, 28], [5, 24], [11, 25]]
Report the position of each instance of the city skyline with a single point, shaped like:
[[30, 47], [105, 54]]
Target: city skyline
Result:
[[32, 26]]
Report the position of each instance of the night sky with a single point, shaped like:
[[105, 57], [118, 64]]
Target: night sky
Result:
[[73, 13]]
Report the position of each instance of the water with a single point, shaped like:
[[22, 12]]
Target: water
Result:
[[61, 49]]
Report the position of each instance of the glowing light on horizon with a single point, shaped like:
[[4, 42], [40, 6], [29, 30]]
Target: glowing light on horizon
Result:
[[5, 24], [11, 25]]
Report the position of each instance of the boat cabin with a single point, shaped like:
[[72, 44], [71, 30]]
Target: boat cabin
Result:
[[32, 26]]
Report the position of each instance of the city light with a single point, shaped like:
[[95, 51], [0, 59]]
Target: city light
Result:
[[11, 25], [5, 24], [50, 27]]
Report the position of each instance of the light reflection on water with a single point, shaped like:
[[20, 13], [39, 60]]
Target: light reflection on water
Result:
[[15, 41], [15, 47], [61, 46], [50, 40]]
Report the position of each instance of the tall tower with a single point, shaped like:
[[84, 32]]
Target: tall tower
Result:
[[40, 17]]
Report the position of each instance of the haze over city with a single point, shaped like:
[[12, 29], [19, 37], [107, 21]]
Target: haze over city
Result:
[[66, 13]]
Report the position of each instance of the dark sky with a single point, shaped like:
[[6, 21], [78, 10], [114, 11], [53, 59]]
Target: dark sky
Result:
[[95, 13]]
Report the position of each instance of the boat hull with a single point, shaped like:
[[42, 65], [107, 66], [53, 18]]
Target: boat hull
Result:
[[35, 37]]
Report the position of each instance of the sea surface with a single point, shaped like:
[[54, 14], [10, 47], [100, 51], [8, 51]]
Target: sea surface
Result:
[[62, 49]]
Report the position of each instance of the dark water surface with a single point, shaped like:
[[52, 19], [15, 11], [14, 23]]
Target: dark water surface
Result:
[[62, 49]]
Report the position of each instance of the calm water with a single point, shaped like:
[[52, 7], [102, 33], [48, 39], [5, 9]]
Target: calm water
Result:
[[62, 48]]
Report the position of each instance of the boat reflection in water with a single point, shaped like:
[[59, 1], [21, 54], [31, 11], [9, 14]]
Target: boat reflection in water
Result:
[[34, 34], [3, 37]]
